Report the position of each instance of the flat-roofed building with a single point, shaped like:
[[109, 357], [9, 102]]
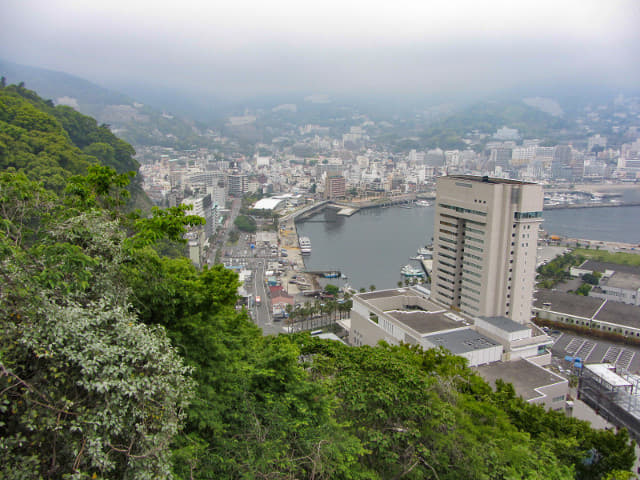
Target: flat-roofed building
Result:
[[485, 241], [534, 384], [519, 341], [271, 204], [619, 283], [407, 315], [589, 312]]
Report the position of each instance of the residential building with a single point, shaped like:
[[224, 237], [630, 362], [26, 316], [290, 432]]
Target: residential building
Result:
[[596, 140], [485, 241], [506, 133], [238, 184], [203, 207]]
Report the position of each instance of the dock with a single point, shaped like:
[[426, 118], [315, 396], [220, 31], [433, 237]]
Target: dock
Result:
[[590, 205], [347, 212]]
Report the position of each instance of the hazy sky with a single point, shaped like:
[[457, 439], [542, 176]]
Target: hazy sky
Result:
[[250, 47]]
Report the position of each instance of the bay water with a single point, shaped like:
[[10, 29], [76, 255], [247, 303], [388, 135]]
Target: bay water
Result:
[[371, 247]]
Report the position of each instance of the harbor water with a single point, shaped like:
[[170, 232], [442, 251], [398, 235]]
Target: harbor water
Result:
[[371, 247]]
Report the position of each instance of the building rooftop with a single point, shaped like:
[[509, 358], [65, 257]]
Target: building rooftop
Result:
[[601, 267], [525, 376], [619, 313], [569, 303], [504, 323], [461, 341], [267, 203], [387, 293], [426, 322], [605, 372], [479, 179], [623, 280]]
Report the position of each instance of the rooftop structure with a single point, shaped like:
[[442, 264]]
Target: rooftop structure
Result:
[[615, 396], [464, 342]]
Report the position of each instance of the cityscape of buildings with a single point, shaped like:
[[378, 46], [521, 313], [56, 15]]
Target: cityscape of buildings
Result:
[[489, 201]]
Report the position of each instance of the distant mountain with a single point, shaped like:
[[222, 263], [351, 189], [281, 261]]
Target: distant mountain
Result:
[[58, 85], [134, 122]]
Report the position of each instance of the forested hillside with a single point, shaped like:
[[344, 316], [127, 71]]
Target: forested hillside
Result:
[[50, 144], [116, 362]]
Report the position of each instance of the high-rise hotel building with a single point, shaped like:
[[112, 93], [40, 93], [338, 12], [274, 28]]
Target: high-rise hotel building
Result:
[[485, 242]]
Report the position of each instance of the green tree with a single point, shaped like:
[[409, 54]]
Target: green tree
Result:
[[583, 289], [85, 388], [245, 223], [591, 279], [331, 289]]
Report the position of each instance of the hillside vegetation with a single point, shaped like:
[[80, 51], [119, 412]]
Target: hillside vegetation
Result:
[[51, 144], [118, 363]]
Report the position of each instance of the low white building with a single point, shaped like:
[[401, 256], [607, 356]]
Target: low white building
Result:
[[519, 341], [619, 287], [271, 204]]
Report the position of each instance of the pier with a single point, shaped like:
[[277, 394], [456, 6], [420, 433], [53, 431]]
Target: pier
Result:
[[590, 205]]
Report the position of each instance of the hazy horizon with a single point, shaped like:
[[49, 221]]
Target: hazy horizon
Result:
[[247, 49]]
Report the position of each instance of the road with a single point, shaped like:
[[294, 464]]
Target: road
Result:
[[243, 257]]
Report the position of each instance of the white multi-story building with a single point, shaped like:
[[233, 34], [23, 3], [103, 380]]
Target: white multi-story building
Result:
[[485, 241], [202, 207]]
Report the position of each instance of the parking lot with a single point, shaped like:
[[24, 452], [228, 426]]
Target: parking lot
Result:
[[593, 350]]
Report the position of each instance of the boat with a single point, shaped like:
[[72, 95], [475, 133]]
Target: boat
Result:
[[305, 245], [422, 203], [425, 253], [410, 271]]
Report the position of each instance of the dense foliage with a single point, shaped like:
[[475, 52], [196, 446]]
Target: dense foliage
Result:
[[85, 388], [245, 223], [557, 270], [118, 362]]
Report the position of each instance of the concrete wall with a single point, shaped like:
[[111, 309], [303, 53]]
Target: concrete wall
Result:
[[525, 352], [553, 396], [486, 355], [366, 332]]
